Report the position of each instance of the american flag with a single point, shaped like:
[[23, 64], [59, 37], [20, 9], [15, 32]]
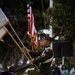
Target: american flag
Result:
[[31, 27]]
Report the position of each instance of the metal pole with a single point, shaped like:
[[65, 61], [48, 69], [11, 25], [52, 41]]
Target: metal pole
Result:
[[50, 26]]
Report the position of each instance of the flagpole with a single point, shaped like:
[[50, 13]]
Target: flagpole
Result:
[[15, 42], [32, 44], [18, 38], [7, 20]]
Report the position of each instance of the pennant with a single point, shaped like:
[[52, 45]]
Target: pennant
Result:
[[3, 19], [31, 27]]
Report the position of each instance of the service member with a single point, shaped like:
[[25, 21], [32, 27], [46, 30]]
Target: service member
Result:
[[43, 57]]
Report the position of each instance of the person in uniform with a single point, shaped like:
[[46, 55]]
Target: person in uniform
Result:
[[44, 56]]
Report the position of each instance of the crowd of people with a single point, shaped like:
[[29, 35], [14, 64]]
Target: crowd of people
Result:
[[61, 71]]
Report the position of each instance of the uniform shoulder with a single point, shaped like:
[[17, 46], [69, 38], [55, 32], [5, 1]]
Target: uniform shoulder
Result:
[[49, 50]]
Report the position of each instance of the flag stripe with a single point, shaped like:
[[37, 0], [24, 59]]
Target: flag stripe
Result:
[[4, 25], [2, 33], [31, 27]]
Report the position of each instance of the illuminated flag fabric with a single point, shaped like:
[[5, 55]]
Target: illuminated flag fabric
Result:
[[31, 27], [3, 19]]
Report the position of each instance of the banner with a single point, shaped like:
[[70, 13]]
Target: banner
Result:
[[3, 19], [31, 27]]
